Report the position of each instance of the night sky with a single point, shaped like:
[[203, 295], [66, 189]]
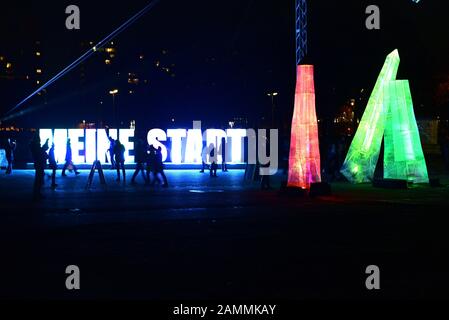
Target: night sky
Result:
[[224, 57]]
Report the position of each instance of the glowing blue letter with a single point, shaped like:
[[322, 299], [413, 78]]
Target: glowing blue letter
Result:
[[176, 136], [154, 137]]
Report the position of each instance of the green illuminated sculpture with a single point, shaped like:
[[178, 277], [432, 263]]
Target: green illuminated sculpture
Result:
[[403, 155], [363, 154], [390, 111]]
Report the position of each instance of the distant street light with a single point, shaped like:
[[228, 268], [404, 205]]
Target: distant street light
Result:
[[272, 95], [113, 93]]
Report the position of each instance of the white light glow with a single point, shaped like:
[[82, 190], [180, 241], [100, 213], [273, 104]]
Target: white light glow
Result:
[[77, 145], [237, 147], [125, 136], [215, 136], [187, 146], [176, 136], [154, 137], [91, 146], [60, 140], [45, 134], [194, 146]]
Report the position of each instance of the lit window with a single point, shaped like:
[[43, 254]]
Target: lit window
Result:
[[38, 71], [9, 65], [38, 54]]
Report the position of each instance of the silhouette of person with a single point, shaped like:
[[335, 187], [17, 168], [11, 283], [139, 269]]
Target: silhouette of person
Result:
[[40, 159], [140, 158], [11, 146], [68, 160], [150, 159], [224, 166], [159, 168], [53, 165], [213, 159], [204, 165], [111, 152], [119, 153]]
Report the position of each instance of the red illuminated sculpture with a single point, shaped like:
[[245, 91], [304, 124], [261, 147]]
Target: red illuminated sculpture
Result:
[[304, 159]]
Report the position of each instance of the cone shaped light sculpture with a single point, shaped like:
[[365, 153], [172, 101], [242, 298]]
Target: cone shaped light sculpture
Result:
[[363, 154], [389, 115], [304, 159], [403, 156]]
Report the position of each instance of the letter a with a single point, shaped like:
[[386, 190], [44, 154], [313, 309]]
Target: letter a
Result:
[[373, 281], [73, 281], [373, 20], [73, 20]]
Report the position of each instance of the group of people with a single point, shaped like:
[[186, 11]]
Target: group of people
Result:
[[148, 162], [43, 154]]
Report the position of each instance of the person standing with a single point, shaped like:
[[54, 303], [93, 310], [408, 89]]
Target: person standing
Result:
[[111, 152], [140, 157], [10, 149], [119, 153], [150, 157], [204, 165], [224, 166], [68, 160], [159, 168], [40, 159], [213, 160], [53, 166]]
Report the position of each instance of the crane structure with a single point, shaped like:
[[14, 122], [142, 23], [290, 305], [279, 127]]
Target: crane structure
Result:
[[301, 30]]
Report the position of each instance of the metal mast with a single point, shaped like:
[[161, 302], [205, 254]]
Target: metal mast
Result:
[[301, 30]]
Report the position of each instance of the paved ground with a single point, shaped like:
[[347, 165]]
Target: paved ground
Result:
[[216, 238]]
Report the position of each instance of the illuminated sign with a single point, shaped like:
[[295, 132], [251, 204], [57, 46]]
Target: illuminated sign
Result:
[[178, 146]]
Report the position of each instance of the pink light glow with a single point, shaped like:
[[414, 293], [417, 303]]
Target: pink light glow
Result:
[[304, 159]]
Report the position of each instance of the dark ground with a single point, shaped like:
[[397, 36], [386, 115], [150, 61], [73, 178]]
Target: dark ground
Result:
[[217, 238]]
